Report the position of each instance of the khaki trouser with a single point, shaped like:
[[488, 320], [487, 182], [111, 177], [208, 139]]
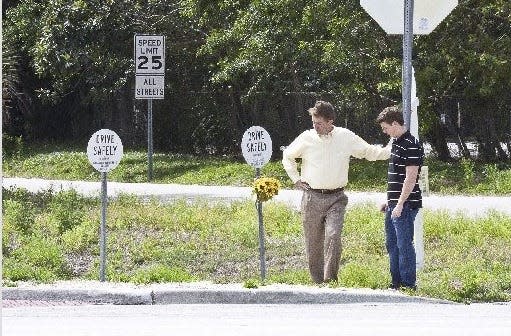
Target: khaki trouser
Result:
[[323, 218]]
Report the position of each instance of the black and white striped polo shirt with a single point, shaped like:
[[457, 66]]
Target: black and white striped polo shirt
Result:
[[406, 151]]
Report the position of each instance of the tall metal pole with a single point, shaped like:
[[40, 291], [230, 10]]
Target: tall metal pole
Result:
[[261, 233], [407, 61], [102, 239], [407, 112], [149, 140]]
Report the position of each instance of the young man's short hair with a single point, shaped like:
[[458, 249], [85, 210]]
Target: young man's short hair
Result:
[[391, 114]]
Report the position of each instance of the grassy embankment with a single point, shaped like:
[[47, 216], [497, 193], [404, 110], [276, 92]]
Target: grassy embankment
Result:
[[55, 236]]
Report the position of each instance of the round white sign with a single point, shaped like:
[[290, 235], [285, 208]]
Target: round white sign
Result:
[[256, 146], [104, 150]]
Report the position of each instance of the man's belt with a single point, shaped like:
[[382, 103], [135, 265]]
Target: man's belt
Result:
[[327, 191]]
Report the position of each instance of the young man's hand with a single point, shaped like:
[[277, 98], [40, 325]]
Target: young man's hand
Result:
[[396, 212]]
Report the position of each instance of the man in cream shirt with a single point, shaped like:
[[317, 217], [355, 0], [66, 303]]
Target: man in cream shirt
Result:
[[325, 153]]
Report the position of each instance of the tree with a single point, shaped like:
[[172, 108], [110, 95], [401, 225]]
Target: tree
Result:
[[471, 67], [78, 57], [325, 47], [233, 64]]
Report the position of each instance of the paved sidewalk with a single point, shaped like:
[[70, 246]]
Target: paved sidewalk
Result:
[[467, 205]]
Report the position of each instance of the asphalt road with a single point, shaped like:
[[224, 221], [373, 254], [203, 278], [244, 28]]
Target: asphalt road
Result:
[[226, 320]]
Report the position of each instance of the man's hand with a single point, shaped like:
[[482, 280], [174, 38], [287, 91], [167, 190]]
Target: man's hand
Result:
[[302, 185]]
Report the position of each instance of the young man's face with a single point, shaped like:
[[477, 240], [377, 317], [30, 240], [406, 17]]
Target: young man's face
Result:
[[393, 130], [321, 125]]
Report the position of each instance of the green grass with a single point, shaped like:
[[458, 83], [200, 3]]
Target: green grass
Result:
[[69, 164], [466, 259], [53, 162]]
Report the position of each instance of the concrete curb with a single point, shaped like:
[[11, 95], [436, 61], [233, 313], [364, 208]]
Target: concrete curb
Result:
[[203, 293], [263, 296], [84, 295]]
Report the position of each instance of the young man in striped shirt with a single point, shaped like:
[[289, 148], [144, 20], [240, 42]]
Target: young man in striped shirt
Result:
[[404, 197]]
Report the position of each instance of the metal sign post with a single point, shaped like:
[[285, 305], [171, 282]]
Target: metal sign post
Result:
[[256, 147], [262, 258], [102, 237], [149, 81], [407, 61], [419, 17], [104, 151], [149, 140]]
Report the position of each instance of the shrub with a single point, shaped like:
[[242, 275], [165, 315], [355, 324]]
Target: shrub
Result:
[[66, 209], [39, 259], [17, 215], [12, 146]]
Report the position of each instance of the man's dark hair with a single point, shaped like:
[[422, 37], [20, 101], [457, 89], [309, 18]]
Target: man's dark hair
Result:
[[323, 109], [391, 114]]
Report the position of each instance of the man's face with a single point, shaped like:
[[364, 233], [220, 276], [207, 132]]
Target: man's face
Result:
[[321, 125], [393, 130]]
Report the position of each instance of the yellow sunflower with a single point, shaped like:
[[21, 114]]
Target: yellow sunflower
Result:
[[265, 188]]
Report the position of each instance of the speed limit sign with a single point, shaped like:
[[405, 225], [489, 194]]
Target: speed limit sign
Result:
[[149, 66]]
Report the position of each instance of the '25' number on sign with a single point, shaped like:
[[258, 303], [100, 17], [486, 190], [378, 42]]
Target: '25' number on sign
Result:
[[155, 60]]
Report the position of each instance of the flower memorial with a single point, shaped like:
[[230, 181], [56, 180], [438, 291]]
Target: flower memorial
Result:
[[265, 188]]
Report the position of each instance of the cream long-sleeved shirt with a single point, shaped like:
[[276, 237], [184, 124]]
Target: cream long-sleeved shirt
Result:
[[326, 158]]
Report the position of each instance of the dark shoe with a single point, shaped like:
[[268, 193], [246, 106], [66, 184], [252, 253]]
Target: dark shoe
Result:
[[394, 286]]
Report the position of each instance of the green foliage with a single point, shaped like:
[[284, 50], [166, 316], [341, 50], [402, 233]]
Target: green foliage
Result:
[[361, 275], [81, 238], [72, 165], [469, 177], [471, 69], [291, 276], [12, 145], [17, 215], [474, 253], [365, 175], [252, 283], [468, 171], [66, 209], [38, 259], [238, 63]]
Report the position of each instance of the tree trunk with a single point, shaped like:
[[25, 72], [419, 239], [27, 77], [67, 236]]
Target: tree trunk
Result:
[[439, 143]]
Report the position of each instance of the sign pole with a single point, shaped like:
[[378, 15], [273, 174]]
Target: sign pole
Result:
[[428, 14], [104, 151], [150, 140], [262, 258], [407, 112], [256, 147], [102, 242], [407, 61], [149, 81]]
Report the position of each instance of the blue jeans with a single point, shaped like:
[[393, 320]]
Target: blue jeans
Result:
[[399, 243]]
